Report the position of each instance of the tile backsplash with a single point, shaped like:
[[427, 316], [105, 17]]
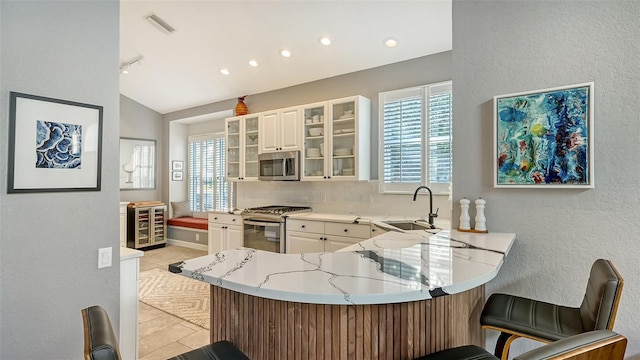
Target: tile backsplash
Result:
[[353, 197]]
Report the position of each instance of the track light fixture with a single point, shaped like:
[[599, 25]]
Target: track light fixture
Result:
[[124, 68]]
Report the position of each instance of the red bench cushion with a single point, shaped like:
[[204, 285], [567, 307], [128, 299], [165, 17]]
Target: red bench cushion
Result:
[[190, 222]]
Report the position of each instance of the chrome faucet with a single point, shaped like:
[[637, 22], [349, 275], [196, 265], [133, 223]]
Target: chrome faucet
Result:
[[432, 215]]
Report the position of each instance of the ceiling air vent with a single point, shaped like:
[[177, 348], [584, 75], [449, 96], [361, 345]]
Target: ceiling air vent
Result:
[[162, 25]]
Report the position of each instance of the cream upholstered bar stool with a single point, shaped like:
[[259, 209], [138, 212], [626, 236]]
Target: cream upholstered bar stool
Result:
[[101, 343], [518, 317]]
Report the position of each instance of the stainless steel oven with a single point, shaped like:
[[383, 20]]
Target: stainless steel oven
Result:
[[264, 227], [279, 166]]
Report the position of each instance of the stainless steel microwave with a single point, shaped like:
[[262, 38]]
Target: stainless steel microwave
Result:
[[279, 166]]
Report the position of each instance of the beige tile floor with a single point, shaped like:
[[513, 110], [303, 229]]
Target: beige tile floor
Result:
[[162, 335]]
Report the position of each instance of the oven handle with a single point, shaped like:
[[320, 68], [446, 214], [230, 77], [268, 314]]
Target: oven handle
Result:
[[262, 223]]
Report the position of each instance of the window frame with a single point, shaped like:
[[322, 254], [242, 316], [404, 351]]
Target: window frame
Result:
[[409, 187], [201, 138]]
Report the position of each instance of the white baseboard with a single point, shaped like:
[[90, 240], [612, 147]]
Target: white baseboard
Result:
[[187, 244]]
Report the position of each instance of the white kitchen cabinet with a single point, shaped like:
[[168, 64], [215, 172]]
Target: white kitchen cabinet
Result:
[[301, 243], [280, 130], [225, 232], [123, 223], [314, 164], [129, 274], [376, 230], [242, 138], [305, 236], [337, 141], [335, 243]]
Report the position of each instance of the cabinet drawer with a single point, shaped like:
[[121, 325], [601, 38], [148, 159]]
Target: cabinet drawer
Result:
[[306, 226], [335, 243], [349, 230], [228, 219]]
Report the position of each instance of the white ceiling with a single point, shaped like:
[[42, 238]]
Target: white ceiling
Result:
[[182, 70]]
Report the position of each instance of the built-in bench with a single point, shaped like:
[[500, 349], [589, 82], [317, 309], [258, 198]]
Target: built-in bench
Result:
[[188, 231], [190, 222]]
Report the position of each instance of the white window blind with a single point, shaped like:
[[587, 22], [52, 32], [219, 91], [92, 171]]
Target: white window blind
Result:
[[415, 135], [144, 160], [440, 161], [208, 188]]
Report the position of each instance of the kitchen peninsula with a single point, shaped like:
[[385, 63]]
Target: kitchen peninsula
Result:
[[397, 295]]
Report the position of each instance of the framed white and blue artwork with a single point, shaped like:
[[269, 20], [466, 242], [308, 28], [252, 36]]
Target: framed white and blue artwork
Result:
[[544, 138], [54, 145]]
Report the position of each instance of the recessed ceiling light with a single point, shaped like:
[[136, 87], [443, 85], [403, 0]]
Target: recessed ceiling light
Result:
[[224, 71], [390, 42], [286, 53], [324, 40], [253, 63]]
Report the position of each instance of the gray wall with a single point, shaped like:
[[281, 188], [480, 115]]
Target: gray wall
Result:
[[49, 242], [368, 83], [178, 151], [138, 121], [502, 47]]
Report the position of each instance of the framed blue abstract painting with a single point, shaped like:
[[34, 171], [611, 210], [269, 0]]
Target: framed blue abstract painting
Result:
[[544, 138], [54, 145]]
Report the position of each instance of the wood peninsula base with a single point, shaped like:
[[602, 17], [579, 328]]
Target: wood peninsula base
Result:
[[275, 329]]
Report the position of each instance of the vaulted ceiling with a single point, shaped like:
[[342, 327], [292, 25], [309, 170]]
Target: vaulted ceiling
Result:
[[181, 69]]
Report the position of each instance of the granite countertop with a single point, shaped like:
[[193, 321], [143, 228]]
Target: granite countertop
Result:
[[128, 253], [346, 218], [361, 219], [389, 268]]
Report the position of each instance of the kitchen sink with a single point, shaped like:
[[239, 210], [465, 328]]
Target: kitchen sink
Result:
[[408, 225]]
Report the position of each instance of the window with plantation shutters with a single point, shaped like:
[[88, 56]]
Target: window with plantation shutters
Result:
[[415, 147], [208, 188]]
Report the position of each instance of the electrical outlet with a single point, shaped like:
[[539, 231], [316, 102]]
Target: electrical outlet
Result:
[[104, 257], [197, 237]]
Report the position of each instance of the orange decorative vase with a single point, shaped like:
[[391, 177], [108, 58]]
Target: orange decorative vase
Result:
[[241, 107]]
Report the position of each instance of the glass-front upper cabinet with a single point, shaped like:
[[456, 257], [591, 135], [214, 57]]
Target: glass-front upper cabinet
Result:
[[242, 148], [251, 148], [344, 141], [233, 148], [315, 142], [337, 139]]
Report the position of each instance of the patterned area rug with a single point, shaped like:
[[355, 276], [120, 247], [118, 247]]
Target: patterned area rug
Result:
[[185, 298]]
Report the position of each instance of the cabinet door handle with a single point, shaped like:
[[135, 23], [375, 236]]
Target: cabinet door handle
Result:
[[233, 219], [215, 218], [303, 226]]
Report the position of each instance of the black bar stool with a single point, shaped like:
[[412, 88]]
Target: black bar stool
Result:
[[518, 317], [599, 344], [101, 343]]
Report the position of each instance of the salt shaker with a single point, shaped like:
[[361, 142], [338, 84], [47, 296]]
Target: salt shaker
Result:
[[465, 219], [480, 218]]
